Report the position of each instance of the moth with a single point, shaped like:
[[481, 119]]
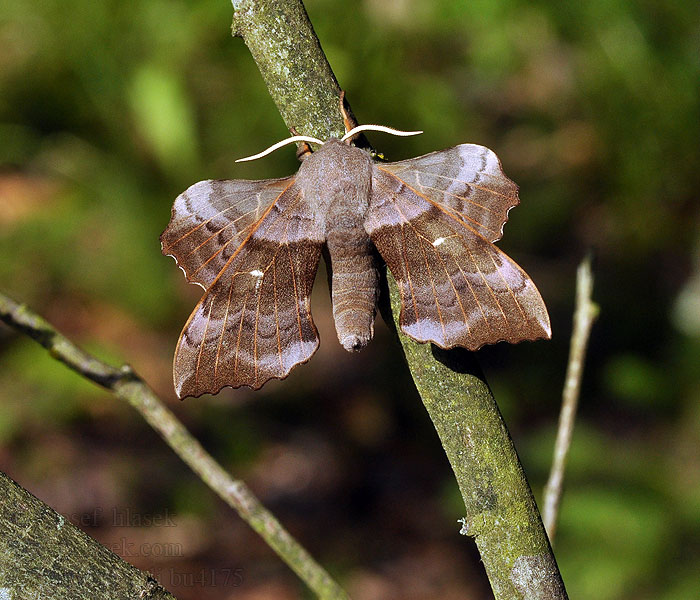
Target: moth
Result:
[[254, 246]]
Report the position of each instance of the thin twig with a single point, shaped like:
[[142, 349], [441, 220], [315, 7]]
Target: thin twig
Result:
[[127, 385], [585, 314]]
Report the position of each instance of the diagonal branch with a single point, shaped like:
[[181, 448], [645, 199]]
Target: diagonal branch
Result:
[[127, 385], [501, 511]]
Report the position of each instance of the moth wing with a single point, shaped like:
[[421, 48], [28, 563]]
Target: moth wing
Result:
[[457, 288], [211, 219], [466, 181], [254, 323]]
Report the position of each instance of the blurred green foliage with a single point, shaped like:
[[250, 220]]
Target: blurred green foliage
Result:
[[109, 109]]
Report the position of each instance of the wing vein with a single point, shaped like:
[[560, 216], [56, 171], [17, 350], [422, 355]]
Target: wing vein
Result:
[[488, 287], [427, 266], [221, 212], [454, 289], [510, 290], [238, 338], [277, 322], [296, 294], [255, 328], [437, 205], [237, 233], [472, 184], [201, 346]]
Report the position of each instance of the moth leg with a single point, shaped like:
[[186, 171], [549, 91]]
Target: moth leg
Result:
[[348, 118], [303, 149]]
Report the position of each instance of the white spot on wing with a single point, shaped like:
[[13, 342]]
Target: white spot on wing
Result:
[[258, 274], [438, 241]]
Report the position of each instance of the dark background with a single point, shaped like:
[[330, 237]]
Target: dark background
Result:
[[109, 109]]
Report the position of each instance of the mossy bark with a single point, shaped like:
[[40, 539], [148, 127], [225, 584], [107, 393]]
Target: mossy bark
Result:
[[288, 53], [501, 513], [42, 555]]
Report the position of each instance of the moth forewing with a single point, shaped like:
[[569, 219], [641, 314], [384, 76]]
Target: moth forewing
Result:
[[211, 219], [467, 180]]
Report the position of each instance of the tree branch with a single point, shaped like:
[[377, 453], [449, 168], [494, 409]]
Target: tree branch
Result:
[[585, 314], [501, 511], [501, 514], [287, 51], [128, 386], [44, 556]]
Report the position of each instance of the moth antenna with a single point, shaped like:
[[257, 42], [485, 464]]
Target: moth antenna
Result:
[[291, 140], [383, 128]]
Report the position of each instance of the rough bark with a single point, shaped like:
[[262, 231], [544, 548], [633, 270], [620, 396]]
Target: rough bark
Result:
[[42, 555], [288, 53], [501, 513]]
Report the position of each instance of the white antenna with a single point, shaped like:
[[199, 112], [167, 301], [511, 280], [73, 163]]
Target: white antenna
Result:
[[383, 128], [291, 140]]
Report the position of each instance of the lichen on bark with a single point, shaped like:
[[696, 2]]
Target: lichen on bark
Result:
[[286, 49], [43, 555]]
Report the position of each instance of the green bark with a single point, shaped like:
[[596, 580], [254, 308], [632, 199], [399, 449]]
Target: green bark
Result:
[[288, 53], [501, 513], [42, 555]]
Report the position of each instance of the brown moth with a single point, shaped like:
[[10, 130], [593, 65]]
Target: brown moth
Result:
[[254, 246]]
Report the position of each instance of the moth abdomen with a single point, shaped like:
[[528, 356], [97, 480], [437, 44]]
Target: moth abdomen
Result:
[[354, 285]]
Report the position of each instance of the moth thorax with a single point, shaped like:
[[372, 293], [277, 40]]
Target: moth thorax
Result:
[[349, 200]]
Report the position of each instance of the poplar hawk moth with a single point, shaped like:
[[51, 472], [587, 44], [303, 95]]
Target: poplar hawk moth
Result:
[[254, 246]]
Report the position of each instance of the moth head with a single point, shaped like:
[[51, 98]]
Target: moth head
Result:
[[347, 138]]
